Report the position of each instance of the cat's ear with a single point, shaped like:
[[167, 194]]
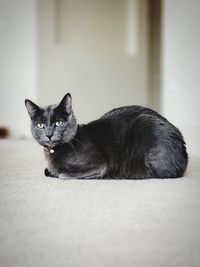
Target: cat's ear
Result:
[[66, 103], [31, 107]]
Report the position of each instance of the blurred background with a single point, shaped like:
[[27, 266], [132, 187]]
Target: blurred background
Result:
[[106, 53]]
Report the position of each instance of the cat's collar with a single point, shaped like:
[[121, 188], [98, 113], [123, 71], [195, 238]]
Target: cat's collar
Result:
[[50, 150]]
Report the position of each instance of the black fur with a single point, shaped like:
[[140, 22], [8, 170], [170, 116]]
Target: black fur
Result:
[[130, 142]]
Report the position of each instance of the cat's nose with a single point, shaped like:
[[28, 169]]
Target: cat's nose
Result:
[[49, 136]]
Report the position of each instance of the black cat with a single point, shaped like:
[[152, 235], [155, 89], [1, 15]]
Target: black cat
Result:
[[130, 142]]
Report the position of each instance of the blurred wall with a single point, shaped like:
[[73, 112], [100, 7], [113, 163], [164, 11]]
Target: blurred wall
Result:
[[181, 65], [18, 62], [95, 49]]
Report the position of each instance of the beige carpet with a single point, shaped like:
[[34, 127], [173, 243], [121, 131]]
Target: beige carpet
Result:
[[51, 222]]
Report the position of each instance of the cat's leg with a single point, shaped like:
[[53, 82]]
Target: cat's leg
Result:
[[50, 174], [158, 149], [164, 164], [95, 173]]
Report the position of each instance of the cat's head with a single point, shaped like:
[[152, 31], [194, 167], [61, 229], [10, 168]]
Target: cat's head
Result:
[[54, 124]]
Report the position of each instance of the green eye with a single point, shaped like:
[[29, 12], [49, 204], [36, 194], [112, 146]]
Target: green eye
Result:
[[40, 125], [58, 123]]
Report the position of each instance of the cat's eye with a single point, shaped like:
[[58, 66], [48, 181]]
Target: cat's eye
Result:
[[40, 125], [59, 123]]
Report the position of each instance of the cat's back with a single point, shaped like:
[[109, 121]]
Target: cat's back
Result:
[[129, 113], [113, 126]]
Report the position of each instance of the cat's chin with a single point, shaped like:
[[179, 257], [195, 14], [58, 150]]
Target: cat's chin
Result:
[[51, 145]]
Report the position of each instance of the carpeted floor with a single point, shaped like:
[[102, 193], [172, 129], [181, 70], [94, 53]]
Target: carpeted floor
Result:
[[51, 222]]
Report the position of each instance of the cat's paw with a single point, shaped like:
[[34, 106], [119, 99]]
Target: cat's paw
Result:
[[49, 174], [63, 176]]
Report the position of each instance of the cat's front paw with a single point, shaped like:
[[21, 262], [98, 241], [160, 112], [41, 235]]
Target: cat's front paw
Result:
[[49, 174], [64, 176]]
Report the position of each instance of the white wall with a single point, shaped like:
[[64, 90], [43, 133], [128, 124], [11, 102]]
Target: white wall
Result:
[[89, 55], [18, 62], [181, 65]]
